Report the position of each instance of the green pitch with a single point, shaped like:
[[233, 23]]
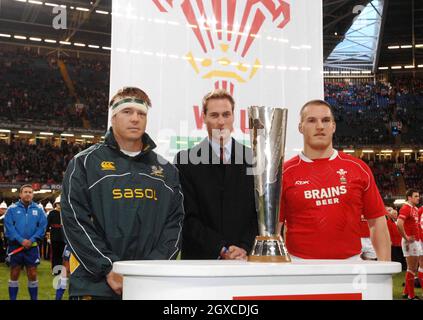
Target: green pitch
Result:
[[45, 283]]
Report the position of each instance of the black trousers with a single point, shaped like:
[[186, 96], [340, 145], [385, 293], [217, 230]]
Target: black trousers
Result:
[[2, 251], [398, 256], [45, 249], [57, 248]]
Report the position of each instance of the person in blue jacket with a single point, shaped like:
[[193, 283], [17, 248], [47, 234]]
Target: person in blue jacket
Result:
[[25, 224]]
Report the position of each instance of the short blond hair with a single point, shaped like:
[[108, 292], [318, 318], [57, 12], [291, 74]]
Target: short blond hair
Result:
[[316, 103], [25, 186], [215, 95]]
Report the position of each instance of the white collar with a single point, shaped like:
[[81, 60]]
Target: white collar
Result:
[[409, 204], [130, 153], [306, 159]]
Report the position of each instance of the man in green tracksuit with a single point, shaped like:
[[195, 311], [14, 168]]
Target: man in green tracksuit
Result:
[[120, 201]]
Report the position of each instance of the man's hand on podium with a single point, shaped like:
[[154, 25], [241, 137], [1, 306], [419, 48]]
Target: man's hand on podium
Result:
[[115, 281], [233, 253]]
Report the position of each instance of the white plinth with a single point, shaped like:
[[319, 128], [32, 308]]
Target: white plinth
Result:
[[217, 279]]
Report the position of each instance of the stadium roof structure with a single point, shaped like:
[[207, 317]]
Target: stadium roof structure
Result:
[[402, 41], [337, 19], [364, 34], [373, 35], [358, 49], [88, 23]]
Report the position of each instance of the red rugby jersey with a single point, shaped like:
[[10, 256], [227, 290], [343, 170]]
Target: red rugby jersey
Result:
[[322, 203], [410, 215]]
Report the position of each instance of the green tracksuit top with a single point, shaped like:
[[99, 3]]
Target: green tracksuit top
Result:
[[116, 208]]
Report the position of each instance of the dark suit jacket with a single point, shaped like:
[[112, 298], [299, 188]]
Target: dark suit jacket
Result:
[[218, 200]]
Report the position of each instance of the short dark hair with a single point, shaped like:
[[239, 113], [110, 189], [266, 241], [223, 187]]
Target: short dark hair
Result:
[[316, 102], [215, 95], [409, 193], [25, 186]]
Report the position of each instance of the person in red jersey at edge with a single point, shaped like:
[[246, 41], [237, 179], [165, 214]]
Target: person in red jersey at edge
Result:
[[409, 227], [325, 193], [420, 274]]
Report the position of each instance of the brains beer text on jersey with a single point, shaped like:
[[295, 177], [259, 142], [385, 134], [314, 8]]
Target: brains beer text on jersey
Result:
[[325, 196]]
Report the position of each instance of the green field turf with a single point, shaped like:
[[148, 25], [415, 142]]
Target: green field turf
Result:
[[45, 283], [46, 291]]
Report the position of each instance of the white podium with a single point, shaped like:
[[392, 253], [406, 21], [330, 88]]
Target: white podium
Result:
[[239, 280]]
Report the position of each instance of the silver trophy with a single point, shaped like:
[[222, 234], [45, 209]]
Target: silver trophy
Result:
[[267, 134]]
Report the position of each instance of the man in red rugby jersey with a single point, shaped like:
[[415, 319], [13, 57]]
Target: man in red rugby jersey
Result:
[[409, 227], [324, 194]]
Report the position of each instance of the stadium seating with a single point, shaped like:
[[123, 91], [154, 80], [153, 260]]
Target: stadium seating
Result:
[[21, 162], [33, 90]]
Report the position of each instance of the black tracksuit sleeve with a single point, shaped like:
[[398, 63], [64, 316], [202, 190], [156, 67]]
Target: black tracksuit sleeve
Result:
[[88, 246]]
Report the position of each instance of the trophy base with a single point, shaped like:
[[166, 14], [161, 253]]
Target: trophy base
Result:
[[268, 259], [270, 249]]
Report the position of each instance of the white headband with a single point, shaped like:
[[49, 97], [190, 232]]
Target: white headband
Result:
[[130, 102]]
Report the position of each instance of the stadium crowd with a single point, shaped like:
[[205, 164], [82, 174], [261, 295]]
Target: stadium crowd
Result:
[[21, 162], [375, 114], [386, 176], [413, 175], [33, 90]]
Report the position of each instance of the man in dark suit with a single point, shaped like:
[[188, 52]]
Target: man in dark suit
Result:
[[220, 219]]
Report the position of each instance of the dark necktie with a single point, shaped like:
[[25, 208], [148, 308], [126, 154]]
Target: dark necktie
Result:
[[222, 155]]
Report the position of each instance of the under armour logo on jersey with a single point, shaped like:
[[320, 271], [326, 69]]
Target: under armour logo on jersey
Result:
[[342, 174]]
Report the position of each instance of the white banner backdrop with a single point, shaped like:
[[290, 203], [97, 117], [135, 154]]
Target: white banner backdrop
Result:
[[266, 52]]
